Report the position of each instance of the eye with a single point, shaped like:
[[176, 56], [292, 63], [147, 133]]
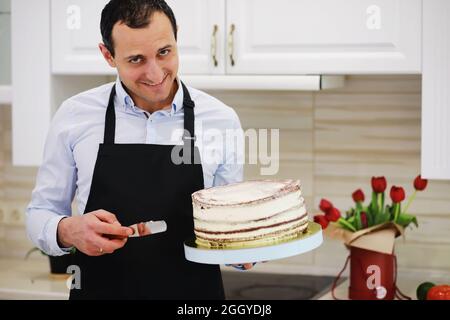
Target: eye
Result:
[[135, 60], [164, 52]]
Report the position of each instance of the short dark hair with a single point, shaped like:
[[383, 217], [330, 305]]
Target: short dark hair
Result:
[[134, 13]]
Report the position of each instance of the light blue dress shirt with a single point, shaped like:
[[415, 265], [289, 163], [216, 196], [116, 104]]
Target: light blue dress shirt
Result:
[[77, 129]]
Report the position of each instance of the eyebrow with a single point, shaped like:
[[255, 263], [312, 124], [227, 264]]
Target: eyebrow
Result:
[[135, 56]]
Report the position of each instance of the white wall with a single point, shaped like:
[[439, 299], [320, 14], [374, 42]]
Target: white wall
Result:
[[334, 142], [5, 42]]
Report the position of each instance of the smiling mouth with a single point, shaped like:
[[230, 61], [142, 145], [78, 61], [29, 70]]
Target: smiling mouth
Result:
[[157, 84]]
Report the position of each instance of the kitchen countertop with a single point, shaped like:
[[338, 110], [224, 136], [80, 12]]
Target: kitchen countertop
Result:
[[30, 280], [407, 283]]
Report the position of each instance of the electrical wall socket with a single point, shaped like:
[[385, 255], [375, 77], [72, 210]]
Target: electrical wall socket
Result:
[[2, 222], [15, 214], [2, 214]]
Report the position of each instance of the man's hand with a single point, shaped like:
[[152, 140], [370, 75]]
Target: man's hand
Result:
[[94, 233], [243, 266]]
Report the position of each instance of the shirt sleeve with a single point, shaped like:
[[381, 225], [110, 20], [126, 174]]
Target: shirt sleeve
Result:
[[51, 199], [232, 168]]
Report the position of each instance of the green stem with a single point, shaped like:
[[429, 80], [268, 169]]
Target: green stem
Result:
[[374, 203], [396, 211], [410, 200], [359, 206], [347, 224], [358, 220], [380, 202]]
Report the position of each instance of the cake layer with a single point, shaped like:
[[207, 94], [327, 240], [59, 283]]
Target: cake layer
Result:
[[250, 234], [269, 239], [212, 226], [256, 208]]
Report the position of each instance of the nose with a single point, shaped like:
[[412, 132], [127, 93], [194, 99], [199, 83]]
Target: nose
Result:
[[154, 72]]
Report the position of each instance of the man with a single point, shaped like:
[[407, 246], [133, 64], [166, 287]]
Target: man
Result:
[[113, 146]]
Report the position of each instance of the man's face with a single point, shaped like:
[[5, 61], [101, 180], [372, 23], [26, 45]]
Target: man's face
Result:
[[146, 60]]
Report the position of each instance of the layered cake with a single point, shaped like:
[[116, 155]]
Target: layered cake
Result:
[[249, 214]]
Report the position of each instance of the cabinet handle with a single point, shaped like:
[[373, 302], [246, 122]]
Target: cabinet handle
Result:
[[231, 44], [214, 45]]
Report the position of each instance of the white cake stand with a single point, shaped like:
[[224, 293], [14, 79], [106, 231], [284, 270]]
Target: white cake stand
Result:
[[304, 243]]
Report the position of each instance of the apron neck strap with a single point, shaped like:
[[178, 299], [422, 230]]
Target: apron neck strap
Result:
[[188, 105], [189, 118], [110, 119]]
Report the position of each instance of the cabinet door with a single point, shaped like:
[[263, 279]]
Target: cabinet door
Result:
[[436, 90], [76, 34], [324, 36], [201, 33]]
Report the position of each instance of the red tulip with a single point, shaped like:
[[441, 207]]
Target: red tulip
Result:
[[358, 196], [333, 214], [419, 183], [325, 205], [397, 194], [322, 220], [379, 184], [364, 219]]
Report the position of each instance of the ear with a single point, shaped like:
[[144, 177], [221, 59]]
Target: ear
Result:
[[107, 55]]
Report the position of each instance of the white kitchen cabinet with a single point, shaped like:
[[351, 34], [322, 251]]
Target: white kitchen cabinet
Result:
[[76, 34], [324, 36], [31, 108], [37, 92], [258, 49], [259, 37], [201, 35], [436, 90]]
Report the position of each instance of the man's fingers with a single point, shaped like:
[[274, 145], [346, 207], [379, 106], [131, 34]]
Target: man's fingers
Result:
[[118, 243], [113, 229], [243, 266], [105, 245], [248, 266], [140, 227], [106, 216]]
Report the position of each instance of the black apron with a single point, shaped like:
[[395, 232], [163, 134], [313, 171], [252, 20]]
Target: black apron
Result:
[[140, 182]]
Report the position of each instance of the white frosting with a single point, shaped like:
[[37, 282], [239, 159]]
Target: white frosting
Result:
[[240, 193]]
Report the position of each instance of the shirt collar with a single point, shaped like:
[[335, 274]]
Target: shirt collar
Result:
[[127, 102]]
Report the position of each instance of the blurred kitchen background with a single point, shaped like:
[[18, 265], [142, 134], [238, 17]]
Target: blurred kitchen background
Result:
[[368, 123]]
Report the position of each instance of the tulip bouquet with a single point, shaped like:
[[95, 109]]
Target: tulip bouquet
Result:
[[376, 212], [369, 232]]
